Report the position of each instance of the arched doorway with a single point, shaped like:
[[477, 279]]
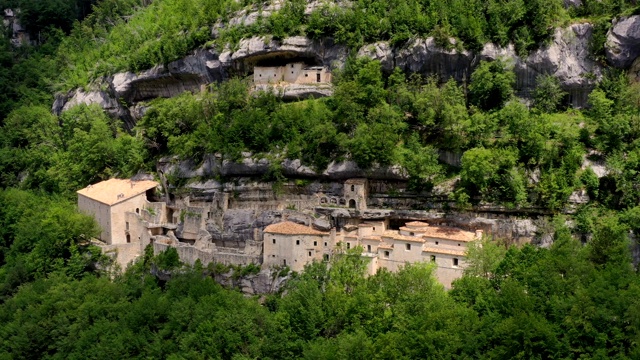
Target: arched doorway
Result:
[[352, 204]]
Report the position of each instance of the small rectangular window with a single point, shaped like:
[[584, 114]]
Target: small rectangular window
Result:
[[455, 262], [315, 243], [297, 242], [368, 248], [408, 246], [433, 258], [274, 241], [348, 245], [437, 242], [325, 243], [127, 225], [309, 253], [386, 254]]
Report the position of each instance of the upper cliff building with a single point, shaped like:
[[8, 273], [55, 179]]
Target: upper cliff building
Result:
[[294, 73], [293, 81]]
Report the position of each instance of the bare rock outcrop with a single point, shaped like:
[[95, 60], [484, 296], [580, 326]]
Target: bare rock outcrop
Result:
[[426, 57], [572, 3], [623, 42], [250, 166], [298, 91], [380, 51], [565, 57], [187, 74]]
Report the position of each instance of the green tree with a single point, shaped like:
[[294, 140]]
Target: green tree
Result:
[[491, 85], [548, 95]]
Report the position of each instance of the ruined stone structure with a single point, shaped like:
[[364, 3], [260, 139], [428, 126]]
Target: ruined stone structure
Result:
[[245, 222]]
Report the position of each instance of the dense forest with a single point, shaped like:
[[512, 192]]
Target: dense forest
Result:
[[579, 298]]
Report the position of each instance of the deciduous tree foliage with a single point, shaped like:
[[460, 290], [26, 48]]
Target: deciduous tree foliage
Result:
[[569, 300]]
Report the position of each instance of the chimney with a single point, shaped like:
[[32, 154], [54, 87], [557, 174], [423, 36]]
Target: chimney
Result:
[[479, 234]]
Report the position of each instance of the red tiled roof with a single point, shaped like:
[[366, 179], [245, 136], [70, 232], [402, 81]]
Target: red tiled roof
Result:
[[449, 233], [291, 228], [417, 224], [113, 191]]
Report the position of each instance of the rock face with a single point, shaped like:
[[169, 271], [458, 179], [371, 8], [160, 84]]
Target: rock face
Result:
[[424, 56], [566, 57], [572, 3], [213, 166], [298, 91], [623, 42], [187, 74], [267, 281], [253, 50]]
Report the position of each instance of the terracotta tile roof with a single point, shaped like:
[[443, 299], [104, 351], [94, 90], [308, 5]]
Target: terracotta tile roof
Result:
[[372, 238], [443, 251], [291, 228], [417, 230], [417, 224], [113, 191], [385, 246], [449, 233], [408, 238]]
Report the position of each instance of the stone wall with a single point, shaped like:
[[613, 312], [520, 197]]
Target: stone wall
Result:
[[189, 254]]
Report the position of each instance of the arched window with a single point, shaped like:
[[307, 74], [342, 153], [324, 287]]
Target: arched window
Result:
[[353, 188]]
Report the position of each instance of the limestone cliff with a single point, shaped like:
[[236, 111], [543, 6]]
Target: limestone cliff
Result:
[[566, 56]]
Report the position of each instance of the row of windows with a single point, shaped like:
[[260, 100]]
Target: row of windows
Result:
[[315, 243], [386, 253]]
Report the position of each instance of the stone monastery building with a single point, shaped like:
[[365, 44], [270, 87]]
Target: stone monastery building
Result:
[[130, 222], [295, 245], [120, 207]]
